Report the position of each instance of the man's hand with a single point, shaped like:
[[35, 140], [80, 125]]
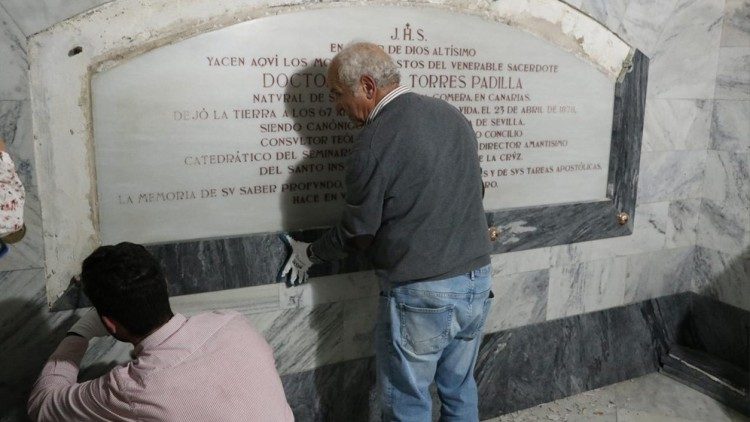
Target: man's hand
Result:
[[89, 326], [298, 262]]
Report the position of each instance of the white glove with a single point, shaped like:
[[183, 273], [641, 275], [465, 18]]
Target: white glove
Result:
[[89, 326], [298, 263]]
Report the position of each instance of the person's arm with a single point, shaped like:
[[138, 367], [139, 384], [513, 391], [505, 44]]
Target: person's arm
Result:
[[363, 210], [12, 195], [56, 395]]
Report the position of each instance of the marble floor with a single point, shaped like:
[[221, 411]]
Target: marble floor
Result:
[[650, 398]]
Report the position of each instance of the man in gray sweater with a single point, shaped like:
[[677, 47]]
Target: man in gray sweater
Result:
[[414, 203]]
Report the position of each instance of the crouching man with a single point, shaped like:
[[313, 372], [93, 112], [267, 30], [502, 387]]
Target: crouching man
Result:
[[209, 367]]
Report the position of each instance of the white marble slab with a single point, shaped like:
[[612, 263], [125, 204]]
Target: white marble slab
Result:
[[608, 13], [520, 299], [335, 288], [658, 274], [733, 76], [724, 227], [682, 222], [727, 180], [246, 300], [644, 21], [151, 157], [730, 126], [683, 62], [736, 29], [586, 287], [676, 124], [21, 146], [670, 175], [521, 261]]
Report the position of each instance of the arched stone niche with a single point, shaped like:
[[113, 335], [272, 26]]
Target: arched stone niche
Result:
[[126, 152]]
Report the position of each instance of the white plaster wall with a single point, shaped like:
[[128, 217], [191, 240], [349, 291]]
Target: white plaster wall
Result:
[[683, 130]]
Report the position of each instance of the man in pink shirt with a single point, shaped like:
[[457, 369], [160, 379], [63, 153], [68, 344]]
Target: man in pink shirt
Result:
[[209, 367]]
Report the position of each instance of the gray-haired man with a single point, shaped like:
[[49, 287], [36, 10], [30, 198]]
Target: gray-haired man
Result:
[[414, 202]]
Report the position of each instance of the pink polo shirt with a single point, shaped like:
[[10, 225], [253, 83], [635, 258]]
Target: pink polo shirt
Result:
[[209, 367]]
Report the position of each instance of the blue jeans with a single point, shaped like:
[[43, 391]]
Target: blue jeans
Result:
[[431, 330]]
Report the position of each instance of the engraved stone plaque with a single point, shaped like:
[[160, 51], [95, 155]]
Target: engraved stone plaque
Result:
[[232, 132]]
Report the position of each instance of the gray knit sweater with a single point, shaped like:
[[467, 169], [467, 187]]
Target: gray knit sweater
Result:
[[414, 194]]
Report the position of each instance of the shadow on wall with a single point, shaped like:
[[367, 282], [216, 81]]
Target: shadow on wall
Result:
[[26, 340]]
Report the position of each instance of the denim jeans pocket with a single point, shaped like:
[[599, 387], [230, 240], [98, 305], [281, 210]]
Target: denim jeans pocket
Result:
[[425, 330]]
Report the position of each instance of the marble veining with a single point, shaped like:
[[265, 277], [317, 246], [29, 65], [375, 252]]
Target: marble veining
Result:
[[730, 126], [736, 30], [682, 222], [733, 78], [723, 228], [685, 55], [643, 22], [727, 180], [520, 299], [586, 287]]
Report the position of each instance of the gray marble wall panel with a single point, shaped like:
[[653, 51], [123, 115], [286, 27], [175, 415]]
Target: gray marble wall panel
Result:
[[736, 30], [730, 126], [685, 56]]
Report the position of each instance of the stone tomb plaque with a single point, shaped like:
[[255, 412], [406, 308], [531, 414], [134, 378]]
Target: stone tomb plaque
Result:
[[232, 132]]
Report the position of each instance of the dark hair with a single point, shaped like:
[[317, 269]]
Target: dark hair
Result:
[[125, 283]]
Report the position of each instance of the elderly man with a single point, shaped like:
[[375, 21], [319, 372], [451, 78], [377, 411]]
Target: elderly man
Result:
[[414, 202], [209, 367]]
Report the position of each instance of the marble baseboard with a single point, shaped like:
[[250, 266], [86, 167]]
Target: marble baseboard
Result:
[[522, 367]]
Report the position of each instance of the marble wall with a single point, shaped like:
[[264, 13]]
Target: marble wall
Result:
[[723, 236], [691, 224]]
